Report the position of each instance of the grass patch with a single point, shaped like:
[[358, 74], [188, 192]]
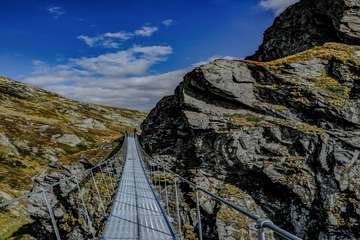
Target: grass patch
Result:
[[248, 120], [342, 52]]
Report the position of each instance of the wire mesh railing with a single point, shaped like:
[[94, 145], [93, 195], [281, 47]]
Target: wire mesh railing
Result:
[[72, 207], [191, 211]]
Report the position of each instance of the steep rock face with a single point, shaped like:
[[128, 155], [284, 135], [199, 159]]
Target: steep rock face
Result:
[[311, 23], [286, 132]]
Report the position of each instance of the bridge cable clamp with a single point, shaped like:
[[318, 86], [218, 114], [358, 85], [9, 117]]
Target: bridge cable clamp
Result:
[[260, 222]]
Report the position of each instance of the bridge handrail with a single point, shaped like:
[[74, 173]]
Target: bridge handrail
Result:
[[172, 230], [63, 180], [261, 223]]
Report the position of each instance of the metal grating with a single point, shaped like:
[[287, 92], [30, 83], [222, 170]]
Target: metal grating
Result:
[[136, 212]]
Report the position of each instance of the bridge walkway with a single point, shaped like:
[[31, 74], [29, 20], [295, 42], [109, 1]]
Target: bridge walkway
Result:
[[136, 212]]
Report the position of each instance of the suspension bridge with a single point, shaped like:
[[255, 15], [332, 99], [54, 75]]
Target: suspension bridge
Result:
[[145, 202]]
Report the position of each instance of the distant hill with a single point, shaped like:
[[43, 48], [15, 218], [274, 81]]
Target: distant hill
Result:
[[38, 128]]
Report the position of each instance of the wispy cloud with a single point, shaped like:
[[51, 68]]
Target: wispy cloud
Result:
[[168, 22], [56, 11], [277, 6], [119, 35], [114, 39], [90, 41], [140, 92], [146, 31], [119, 79]]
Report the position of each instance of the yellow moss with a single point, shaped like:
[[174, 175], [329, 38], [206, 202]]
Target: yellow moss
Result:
[[161, 177], [11, 220], [342, 52], [189, 232], [229, 190], [342, 202], [182, 204], [233, 218], [257, 120], [300, 126], [292, 161], [28, 117], [249, 120], [337, 93], [276, 107], [305, 127]]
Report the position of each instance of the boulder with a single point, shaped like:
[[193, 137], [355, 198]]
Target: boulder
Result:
[[68, 139]]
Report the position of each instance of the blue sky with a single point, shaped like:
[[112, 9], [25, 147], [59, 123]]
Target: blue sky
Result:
[[125, 53]]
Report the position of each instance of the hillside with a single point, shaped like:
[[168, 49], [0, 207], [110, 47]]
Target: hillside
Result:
[[38, 128]]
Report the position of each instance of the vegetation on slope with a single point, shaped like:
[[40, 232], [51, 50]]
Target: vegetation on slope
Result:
[[40, 128]]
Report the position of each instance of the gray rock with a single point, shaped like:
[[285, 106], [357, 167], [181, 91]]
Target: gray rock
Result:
[[311, 23], [90, 123], [285, 135], [68, 139], [8, 147]]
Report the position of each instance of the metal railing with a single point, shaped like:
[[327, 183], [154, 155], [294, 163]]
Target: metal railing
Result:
[[162, 177], [97, 184]]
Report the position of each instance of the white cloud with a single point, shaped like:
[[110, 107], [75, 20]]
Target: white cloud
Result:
[[133, 61], [168, 22], [277, 6], [119, 79], [119, 35], [114, 39], [90, 41], [105, 40], [122, 78], [146, 31], [56, 11], [136, 92]]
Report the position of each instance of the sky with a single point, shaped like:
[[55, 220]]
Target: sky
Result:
[[125, 53]]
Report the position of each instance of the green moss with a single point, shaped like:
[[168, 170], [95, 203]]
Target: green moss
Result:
[[237, 222], [189, 232], [248, 120], [344, 201], [233, 218], [12, 162], [270, 106], [341, 52], [300, 126], [257, 120], [11, 221], [337, 94]]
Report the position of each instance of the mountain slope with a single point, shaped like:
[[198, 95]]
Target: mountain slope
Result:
[[38, 128]]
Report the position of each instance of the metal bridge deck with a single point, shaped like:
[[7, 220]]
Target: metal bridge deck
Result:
[[136, 212]]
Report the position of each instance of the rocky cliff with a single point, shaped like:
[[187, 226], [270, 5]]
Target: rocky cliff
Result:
[[311, 23], [286, 133], [41, 131]]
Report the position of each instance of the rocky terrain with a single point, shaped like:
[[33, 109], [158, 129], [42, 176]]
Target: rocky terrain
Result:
[[284, 133], [41, 132], [311, 23]]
